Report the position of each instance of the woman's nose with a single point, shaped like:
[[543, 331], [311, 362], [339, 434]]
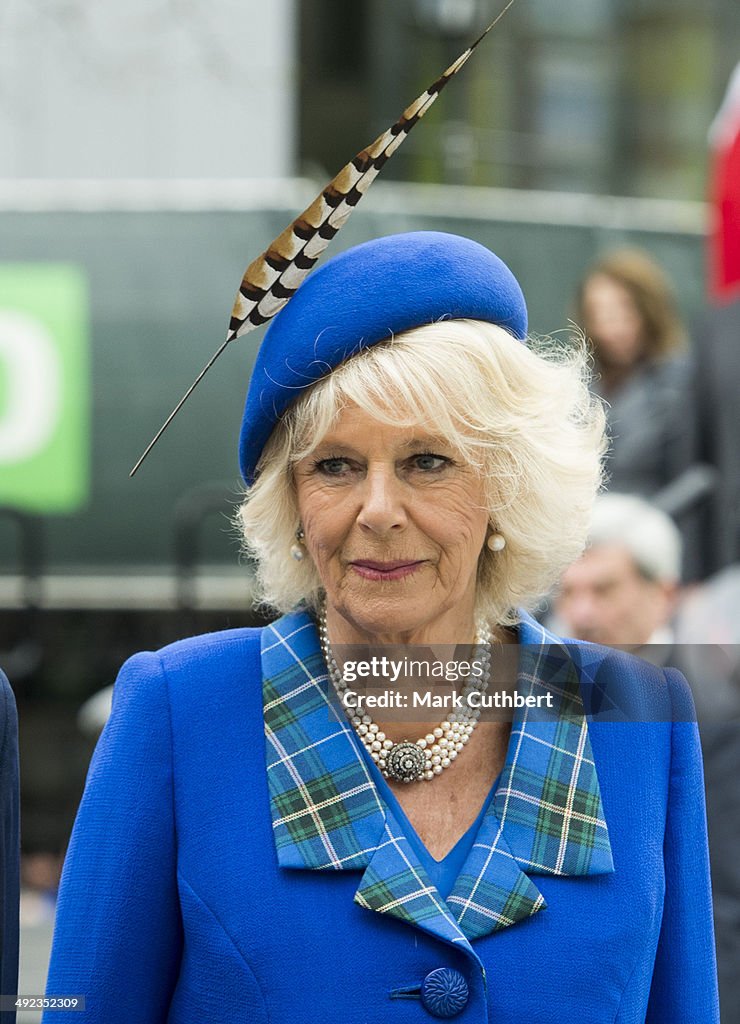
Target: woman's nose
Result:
[[382, 507]]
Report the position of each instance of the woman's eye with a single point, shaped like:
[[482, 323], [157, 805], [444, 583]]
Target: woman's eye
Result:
[[428, 462], [332, 467]]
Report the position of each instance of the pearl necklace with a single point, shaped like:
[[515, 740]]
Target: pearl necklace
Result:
[[408, 761]]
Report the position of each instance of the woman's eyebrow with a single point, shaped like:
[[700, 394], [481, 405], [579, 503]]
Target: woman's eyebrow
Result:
[[427, 441], [329, 445]]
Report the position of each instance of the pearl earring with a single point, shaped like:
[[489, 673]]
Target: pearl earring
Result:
[[496, 542], [297, 550]]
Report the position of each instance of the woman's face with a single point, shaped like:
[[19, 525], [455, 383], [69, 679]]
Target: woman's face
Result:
[[612, 321], [395, 523]]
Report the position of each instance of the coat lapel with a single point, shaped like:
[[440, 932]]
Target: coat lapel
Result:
[[549, 800], [492, 892], [546, 815], [326, 812], [395, 883]]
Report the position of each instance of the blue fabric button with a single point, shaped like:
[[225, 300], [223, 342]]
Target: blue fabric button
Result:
[[444, 992]]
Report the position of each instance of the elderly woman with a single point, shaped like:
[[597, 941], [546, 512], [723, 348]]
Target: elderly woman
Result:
[[250, 847]]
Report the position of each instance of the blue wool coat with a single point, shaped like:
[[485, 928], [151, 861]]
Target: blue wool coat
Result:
[[232, 859]]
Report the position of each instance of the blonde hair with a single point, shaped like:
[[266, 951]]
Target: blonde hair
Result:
[[521, 413]]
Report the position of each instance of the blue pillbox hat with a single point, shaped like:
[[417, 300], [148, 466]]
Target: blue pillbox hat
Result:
[[363, 296]]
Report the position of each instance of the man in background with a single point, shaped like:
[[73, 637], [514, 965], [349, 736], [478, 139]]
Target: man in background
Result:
[[624, 592]]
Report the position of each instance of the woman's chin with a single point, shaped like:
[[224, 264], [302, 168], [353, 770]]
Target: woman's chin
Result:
[[388, 618]]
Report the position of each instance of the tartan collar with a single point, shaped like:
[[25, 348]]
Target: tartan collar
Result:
[[546, 816]]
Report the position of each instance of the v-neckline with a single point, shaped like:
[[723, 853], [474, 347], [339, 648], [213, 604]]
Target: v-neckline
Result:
[[396, 807]]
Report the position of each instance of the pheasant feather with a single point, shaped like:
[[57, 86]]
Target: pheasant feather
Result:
[[271, 279]]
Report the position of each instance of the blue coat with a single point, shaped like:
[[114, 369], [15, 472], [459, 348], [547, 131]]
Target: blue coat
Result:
[[232, 859]]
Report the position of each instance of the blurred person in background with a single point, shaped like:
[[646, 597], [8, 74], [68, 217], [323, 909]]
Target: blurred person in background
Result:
[[623, 591], [9, 846], [626, 307], [715, 419]]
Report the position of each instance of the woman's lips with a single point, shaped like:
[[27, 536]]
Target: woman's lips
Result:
[[384, 570]]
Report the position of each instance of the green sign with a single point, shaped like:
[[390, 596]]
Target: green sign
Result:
[[44, 387]]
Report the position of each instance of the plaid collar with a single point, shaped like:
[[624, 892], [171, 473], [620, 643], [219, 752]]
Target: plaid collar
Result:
[[546, 816]]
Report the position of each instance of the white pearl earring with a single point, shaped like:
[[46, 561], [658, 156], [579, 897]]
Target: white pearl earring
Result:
[[496, 542], [297, 550]]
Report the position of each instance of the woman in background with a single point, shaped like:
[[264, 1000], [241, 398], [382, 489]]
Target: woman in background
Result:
[[627, 309]]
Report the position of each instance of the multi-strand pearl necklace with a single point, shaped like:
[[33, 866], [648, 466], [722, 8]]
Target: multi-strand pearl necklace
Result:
[[409, 761]]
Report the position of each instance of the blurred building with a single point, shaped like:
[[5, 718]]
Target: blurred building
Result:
[[601, 96], [147, 89]]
